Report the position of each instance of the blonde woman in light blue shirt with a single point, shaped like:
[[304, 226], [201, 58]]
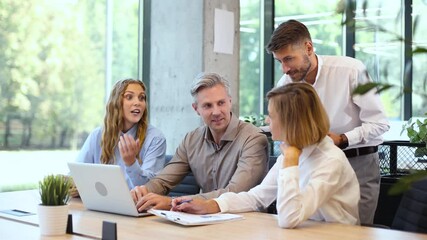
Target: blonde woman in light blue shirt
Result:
[[126, 139]]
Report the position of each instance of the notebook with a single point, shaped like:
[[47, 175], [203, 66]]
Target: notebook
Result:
[[103, 188], [195, 219]]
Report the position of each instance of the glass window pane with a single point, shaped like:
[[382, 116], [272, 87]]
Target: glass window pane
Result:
[[378, 29], [125, 39], [250, 58], [52, 68], [322, 21], [419, 98]]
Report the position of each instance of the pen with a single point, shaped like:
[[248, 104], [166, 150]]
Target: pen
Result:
[[185, 201]]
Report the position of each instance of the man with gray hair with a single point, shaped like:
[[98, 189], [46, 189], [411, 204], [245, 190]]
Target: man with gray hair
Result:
[[224, 155]]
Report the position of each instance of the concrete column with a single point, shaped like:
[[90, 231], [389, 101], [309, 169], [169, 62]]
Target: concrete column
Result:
[[182, 41]]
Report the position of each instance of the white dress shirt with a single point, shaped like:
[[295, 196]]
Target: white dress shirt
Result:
[[360, 117], [323, 187]]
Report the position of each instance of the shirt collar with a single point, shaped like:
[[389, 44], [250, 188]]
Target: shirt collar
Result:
[[131, 131], [306, 152], [319, 67], [230, 133]]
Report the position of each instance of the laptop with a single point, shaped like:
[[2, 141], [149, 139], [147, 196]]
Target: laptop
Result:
[[103, 188]]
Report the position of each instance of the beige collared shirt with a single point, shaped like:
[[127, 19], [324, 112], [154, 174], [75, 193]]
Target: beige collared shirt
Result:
[[237, 164]]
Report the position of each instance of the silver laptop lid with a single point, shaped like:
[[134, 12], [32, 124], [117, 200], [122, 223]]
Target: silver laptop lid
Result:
[[103, 188]]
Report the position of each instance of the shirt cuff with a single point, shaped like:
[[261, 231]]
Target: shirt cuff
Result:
[[222, 203], [352, 138], [133, 169]]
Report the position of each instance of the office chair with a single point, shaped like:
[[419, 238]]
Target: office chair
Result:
[[188, 185], [411, 215]]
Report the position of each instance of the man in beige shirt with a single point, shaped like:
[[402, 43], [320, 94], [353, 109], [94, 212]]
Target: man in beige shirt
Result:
[[225, 155]]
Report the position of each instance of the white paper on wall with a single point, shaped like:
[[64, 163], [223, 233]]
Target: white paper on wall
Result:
[[224, 31]]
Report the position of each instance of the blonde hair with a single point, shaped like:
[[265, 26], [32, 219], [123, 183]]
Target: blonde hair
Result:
[[303, 117], [114, 123]]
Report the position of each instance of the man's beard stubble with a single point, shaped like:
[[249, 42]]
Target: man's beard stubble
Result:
[[302, 70]]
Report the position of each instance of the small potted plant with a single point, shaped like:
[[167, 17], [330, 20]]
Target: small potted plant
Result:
[[53, 210]]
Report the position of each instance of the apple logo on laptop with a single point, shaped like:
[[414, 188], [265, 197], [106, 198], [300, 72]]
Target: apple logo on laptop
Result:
[[101, 189]]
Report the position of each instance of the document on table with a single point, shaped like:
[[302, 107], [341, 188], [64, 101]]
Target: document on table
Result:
[[195, 219]]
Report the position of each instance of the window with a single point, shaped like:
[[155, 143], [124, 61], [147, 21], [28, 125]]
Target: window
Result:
[[326, 32], [250, 58], [377, 46], [320, 18], [419, 96], [58, 60], [378, 42]]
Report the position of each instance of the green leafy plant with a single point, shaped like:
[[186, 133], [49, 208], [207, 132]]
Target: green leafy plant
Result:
[[54, 190], [405, 183], [417, 132], [257, 120]]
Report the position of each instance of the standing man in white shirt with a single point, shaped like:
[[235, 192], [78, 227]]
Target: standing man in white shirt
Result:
[[357, 121]]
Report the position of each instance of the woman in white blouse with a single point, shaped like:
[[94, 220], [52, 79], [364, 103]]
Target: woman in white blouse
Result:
[[312, 178]]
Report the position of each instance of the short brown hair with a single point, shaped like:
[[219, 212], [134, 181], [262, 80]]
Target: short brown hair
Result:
[[303, 117], [286, 34]]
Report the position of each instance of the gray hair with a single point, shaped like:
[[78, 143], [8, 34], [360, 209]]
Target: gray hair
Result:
[[208, 80]]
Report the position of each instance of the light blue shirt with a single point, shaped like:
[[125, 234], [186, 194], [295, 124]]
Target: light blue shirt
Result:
[[152, 155]]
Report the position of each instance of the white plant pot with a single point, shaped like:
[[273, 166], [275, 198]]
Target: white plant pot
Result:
[[53, 219]]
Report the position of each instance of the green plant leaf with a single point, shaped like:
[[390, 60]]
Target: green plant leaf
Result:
[[384, 87], [416, 130], [54, 190], [419, 50], [405, 182], [364, 88], [420, 152]]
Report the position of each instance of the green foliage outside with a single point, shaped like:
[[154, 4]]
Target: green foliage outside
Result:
[[18, 187], [52, 68], [250, 58], [54, 190], [255, 120]]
